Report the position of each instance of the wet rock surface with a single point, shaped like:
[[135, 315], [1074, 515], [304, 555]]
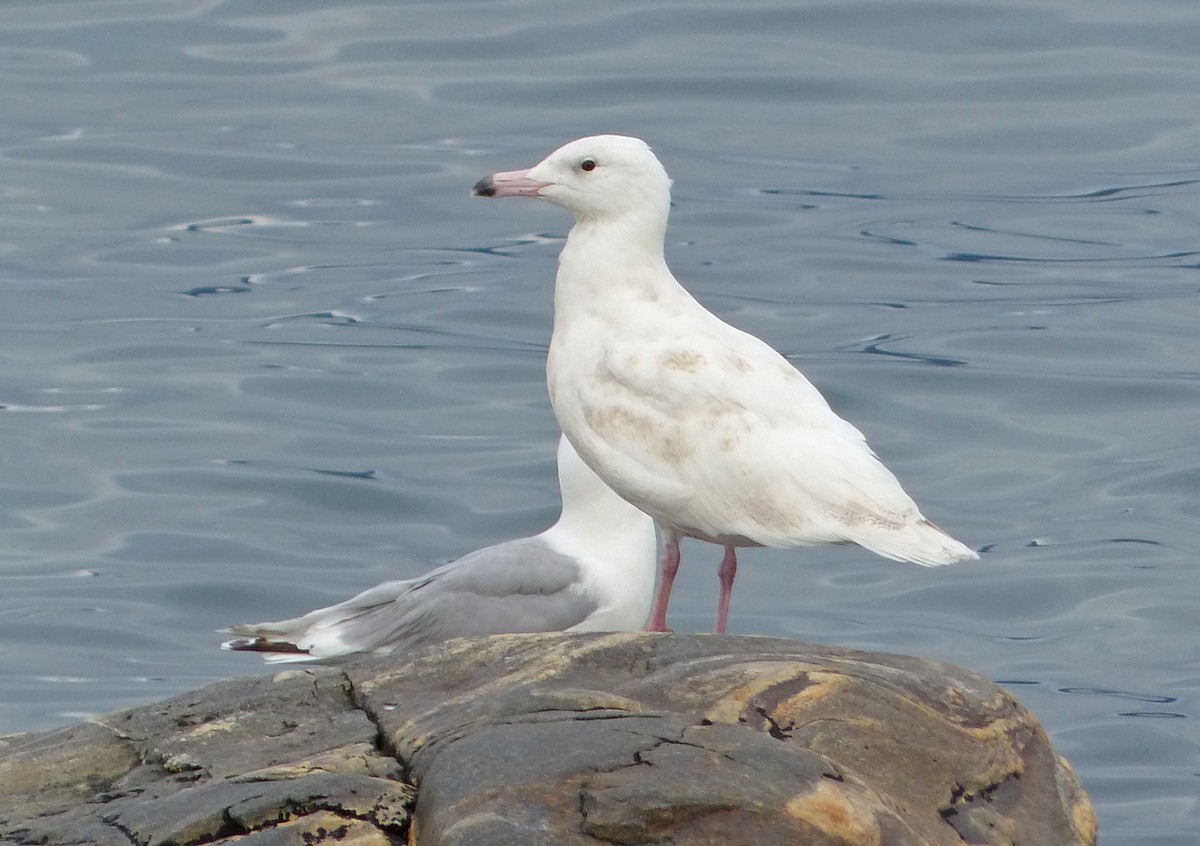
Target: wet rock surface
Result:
[[561, 739]]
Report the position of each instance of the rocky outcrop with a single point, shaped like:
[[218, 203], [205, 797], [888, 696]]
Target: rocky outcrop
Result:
[[561, 739]]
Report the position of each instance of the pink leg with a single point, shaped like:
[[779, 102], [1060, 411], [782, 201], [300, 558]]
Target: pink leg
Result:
[[670, 566], [726, 573]]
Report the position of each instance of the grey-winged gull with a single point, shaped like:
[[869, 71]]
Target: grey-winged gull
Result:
[[593, 570], [704, 427]]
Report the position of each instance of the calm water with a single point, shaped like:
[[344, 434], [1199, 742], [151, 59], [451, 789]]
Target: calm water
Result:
[[261, 350]]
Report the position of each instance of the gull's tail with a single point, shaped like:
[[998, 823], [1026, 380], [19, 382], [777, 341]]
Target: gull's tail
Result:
[[920, 542]]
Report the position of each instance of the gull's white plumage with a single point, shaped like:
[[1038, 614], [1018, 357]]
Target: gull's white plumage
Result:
[[704, 427]]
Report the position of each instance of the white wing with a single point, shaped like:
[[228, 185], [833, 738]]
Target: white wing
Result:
[[717, 435]]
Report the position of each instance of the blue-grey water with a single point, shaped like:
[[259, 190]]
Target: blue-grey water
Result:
[[259, 349]]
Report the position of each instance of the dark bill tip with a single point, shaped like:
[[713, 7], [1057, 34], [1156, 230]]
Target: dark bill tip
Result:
[[485, 187]]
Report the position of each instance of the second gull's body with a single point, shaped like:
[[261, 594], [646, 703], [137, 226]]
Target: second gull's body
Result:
[[593, 570]]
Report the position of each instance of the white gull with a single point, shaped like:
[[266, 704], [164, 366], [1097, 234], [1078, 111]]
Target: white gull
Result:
[[704, 427], [593, 570]]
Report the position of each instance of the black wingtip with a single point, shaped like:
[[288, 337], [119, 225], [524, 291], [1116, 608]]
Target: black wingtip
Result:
[[484, 188], [259, 644]]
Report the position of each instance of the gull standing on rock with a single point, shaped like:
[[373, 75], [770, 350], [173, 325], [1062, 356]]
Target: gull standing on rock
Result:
[[591, 571], [704, 427]]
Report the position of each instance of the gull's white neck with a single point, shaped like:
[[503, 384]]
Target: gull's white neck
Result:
[[598, 525], [608, 262], [614, 544]]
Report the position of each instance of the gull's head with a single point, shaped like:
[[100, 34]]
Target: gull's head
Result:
[[579, 485], [594, 178], [598, 518]]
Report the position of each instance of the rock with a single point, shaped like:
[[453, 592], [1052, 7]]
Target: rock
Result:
[[561, 739], [250, 755]]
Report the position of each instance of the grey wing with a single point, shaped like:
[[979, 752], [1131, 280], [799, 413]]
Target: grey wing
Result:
[[518, 586]]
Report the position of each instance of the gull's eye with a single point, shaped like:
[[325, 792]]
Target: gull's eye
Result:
[[587, 165]]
